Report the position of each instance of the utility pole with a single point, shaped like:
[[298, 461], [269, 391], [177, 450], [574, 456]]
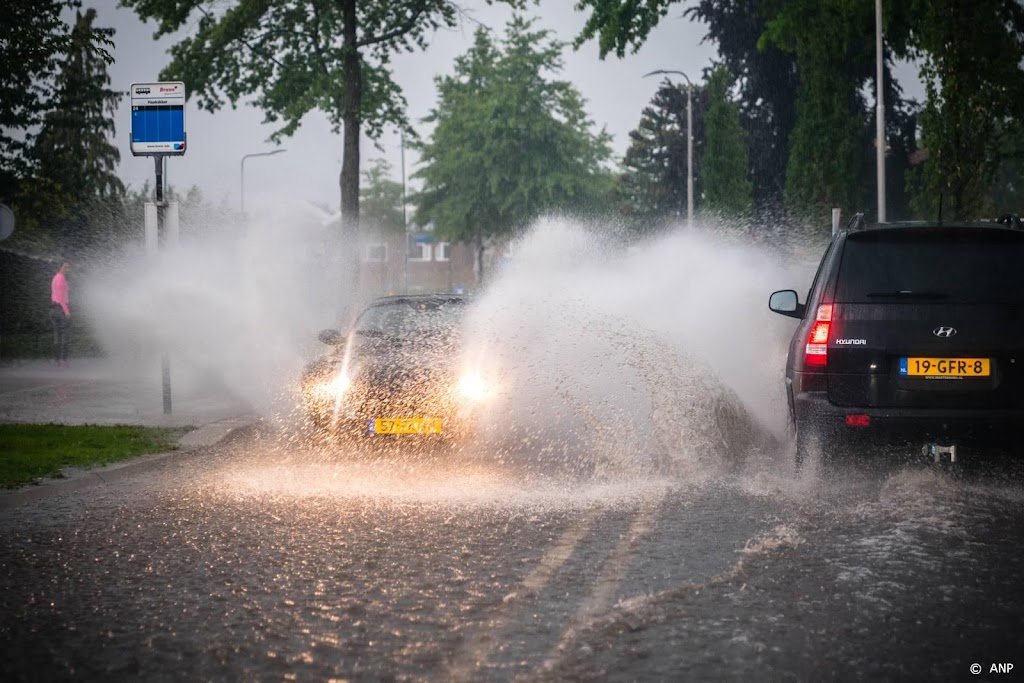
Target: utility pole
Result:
[[161, 236], [879, 112], [405, 226]]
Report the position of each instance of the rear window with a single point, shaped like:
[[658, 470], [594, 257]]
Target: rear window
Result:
[[960, 265]]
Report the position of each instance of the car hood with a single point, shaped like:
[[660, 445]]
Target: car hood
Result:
[[410, 357]]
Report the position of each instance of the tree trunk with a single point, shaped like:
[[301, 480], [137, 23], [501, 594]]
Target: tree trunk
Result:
[[351, 123]]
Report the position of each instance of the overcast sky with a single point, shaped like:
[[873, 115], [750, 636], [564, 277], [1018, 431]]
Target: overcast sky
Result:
[[614, 89], [615, 93]]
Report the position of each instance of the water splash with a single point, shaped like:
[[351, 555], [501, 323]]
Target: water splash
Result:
[[238, 312], [614, 357], [642, 356]]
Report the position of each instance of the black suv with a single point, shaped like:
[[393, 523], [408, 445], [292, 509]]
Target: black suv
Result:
[[913, 332]]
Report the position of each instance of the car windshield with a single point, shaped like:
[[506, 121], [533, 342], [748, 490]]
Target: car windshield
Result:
[[410, 319], [947, 265]]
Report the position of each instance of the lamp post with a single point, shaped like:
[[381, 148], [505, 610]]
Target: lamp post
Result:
[[689, 141], [242, 189], [879, 113], [405, 225]]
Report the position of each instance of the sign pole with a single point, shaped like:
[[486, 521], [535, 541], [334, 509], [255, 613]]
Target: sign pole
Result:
[[158, 130], [161, 237]]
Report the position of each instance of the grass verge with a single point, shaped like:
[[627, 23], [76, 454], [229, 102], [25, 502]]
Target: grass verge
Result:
[[29, 452]]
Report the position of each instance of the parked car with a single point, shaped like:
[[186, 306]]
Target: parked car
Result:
[[397, 373], [913, 333]]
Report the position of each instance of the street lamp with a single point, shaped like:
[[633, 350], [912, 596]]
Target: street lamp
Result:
[[248, 156], [689, 141]]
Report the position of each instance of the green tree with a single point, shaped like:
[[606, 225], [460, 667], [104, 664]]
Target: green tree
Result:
[[725, 170], [971, 54], [73, 187], [786, 55], [621, 24], [1007, 193], [652, 187], [767, 74], [508, 142], [767, 87], [381, 202], [834, 48], [297, 55], [73, 150], [74, 147], [32, 38]]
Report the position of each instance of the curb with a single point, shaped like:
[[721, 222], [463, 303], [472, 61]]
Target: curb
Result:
[[204, 437]]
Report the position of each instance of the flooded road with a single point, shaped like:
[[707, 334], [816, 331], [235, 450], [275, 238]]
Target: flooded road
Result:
[[266, 560], [628, 512]]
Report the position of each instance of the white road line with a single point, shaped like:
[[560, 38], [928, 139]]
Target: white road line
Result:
[[476, 650], [612, 575]]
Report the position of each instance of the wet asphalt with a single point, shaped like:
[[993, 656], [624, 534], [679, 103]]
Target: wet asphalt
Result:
[[267, 558]]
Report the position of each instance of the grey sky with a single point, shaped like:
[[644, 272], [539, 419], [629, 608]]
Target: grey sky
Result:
[[614, 90]]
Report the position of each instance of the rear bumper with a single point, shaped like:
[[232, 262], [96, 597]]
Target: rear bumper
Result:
[[812, 409]]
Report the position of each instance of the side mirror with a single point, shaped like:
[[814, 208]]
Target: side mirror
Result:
[[786, 302], [331, 337]]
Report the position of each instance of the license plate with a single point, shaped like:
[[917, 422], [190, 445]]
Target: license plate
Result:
[[405, 425], [945, 368]]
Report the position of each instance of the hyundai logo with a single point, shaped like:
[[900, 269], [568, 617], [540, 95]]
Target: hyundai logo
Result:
[[944, 331]]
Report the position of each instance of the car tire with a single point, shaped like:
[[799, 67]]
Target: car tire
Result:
[[807, 440]]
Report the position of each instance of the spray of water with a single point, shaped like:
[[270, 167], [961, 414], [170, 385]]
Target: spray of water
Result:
[[236, 313], [635, 357], [611, 358]]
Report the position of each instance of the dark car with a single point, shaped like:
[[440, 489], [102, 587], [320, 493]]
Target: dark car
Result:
[[396, 373], [913, 333]]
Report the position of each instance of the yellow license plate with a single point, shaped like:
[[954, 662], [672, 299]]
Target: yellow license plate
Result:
[[945, 367], [405, 425]]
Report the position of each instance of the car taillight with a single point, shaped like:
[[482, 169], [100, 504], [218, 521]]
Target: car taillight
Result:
[[817, 342], [858, 420]]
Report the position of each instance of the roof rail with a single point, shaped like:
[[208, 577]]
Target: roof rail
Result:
[[1010, 220], [856, 223]]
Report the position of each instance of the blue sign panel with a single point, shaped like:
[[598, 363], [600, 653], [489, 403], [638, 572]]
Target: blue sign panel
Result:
[[158, 118]]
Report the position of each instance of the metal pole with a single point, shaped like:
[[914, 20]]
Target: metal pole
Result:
[[689, 154], [165, 358], [405, 226], [241, 190], [880, 112], [689, 140]]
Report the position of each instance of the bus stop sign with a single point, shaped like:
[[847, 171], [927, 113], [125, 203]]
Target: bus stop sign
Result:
[[158, 118]]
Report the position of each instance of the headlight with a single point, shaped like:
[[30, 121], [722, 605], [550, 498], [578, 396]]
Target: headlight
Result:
[[473, 387], [339, 385], [330, 390]]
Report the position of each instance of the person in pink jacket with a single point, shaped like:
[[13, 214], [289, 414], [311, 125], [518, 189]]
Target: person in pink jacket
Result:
[[60, 315]]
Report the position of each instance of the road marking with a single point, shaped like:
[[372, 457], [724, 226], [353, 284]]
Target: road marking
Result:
[[476, 650], [613, 573]]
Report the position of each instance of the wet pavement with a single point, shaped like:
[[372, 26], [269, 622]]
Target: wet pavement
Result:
[[627, 533], [107, 392], [267, 558]]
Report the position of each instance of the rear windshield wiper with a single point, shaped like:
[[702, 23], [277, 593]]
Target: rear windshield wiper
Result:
[[908, 294]]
